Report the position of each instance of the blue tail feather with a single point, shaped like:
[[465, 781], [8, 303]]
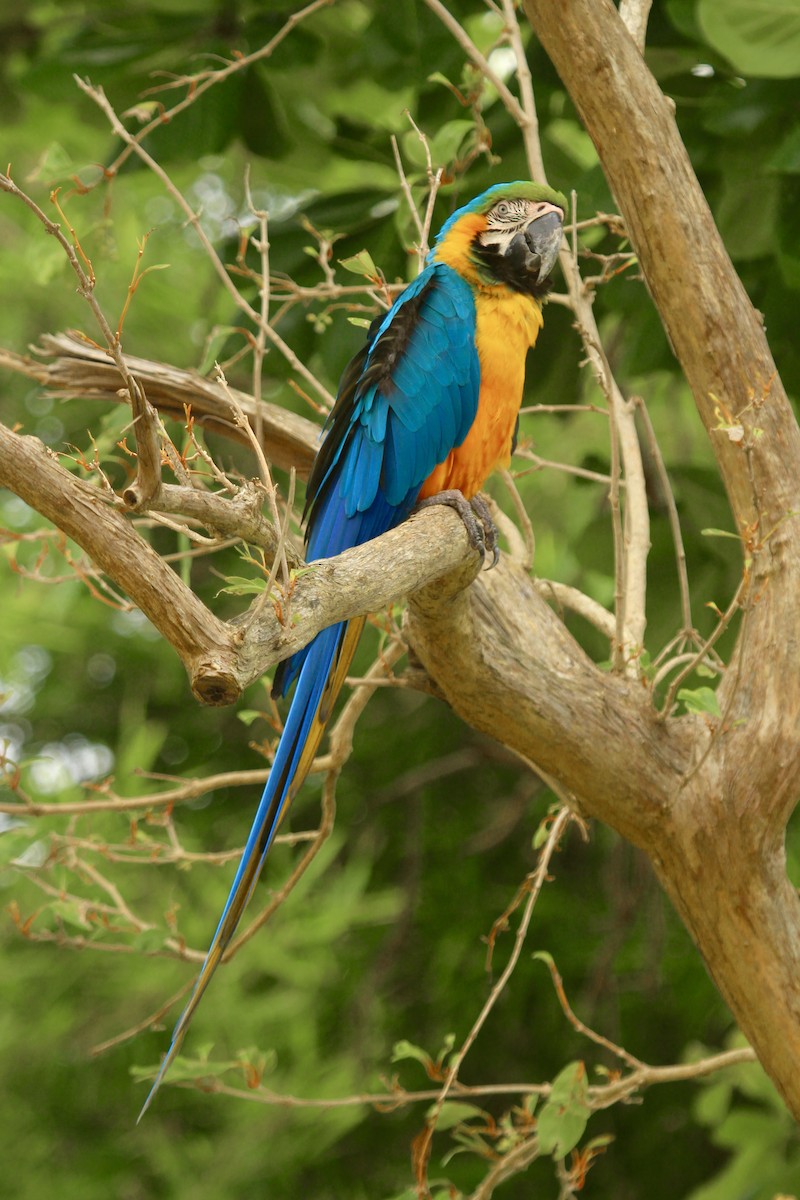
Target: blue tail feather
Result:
[[285, 777]]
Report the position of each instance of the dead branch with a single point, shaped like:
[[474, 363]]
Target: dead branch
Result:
[[70, 365]]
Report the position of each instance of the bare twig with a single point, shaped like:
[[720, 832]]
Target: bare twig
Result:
[[536, 882], [672, 511], [196, 85], [148, 477], [99, 97]]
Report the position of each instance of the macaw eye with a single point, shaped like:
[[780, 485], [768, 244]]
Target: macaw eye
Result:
[[503, 209]]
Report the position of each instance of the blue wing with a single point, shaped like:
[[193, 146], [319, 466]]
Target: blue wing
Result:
[[404, 403]]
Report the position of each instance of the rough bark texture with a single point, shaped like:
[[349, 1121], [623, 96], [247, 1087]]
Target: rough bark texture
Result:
[[719, 847]]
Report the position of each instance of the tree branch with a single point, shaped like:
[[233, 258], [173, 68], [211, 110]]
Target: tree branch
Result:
[[204, 643], [70, 365], [719, 846]]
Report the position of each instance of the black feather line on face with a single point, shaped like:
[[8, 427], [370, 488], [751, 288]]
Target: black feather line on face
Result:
[[508, 270]]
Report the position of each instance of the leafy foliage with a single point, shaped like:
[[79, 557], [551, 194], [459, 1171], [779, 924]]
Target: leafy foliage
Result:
[[382, 942]]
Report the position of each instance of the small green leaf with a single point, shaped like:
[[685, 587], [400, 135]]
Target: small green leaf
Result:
[[149, 941], [449, 140], [446, 1047], [71, 913], [560, 1129], [183, 1068], [360, 264], [544, 956], [570, 1085], [542, 834], [726, 533], [14, 842], [404, 1049], [360, 322], [700, 700], [248, 715], [563, 1117], [455, 1112], [713, 1102], [236, 585]]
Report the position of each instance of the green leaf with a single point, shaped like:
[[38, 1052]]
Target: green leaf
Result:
[[449, 141], [541, 835], [360, 264], [71, 912], [184, 1068], [14, 842], [706, 672], [573, 141], [724, 533], [713, 1102], [404, 1049], [759, 37], [248, 715], [455, 1112], [563, 1117], [700, 700], [149, 941], [236, 585]]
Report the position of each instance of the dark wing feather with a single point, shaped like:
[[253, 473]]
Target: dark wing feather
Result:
[[405, 401]]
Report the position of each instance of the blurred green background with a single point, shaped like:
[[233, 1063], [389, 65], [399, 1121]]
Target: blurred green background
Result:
[[384, 940]]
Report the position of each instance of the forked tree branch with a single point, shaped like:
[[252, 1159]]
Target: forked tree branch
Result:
[[718, 846]]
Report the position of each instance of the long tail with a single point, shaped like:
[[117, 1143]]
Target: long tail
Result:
[[320, 679]]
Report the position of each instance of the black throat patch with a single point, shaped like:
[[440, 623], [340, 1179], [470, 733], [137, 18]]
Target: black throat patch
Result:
[[508, 269]]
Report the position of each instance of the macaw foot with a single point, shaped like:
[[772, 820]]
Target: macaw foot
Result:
[[477, 518]]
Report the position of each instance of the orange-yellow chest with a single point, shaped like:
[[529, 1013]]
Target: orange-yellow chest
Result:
[[507, 325]]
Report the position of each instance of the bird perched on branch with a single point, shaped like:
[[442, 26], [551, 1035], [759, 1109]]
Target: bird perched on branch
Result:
[[426, 410]]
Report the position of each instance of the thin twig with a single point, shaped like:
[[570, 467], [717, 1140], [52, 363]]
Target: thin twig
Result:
[[99, 97], [536, 882], [145, 424], [697, 658], [672, 511]]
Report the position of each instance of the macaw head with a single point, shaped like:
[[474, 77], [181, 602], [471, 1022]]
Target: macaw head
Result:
[[509, 235]]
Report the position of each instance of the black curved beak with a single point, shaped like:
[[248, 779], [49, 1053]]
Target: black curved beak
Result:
[[534, 249]]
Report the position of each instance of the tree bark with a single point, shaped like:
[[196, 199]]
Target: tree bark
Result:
[[719, 847]]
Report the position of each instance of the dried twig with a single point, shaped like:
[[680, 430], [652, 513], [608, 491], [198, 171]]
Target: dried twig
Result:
[[145, 425], [536, 882]]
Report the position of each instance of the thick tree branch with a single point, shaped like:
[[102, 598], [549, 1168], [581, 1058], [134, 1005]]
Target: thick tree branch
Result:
[[719, 847], [30, 470], [223, 658], [528, 683]]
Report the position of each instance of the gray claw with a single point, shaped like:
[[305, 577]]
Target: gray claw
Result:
[[478, 522]]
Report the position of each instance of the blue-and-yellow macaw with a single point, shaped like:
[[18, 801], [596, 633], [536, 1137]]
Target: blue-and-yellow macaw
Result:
[[429, 405]]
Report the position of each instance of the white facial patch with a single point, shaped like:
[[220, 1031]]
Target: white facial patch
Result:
[[504, 221], [508, 217]]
